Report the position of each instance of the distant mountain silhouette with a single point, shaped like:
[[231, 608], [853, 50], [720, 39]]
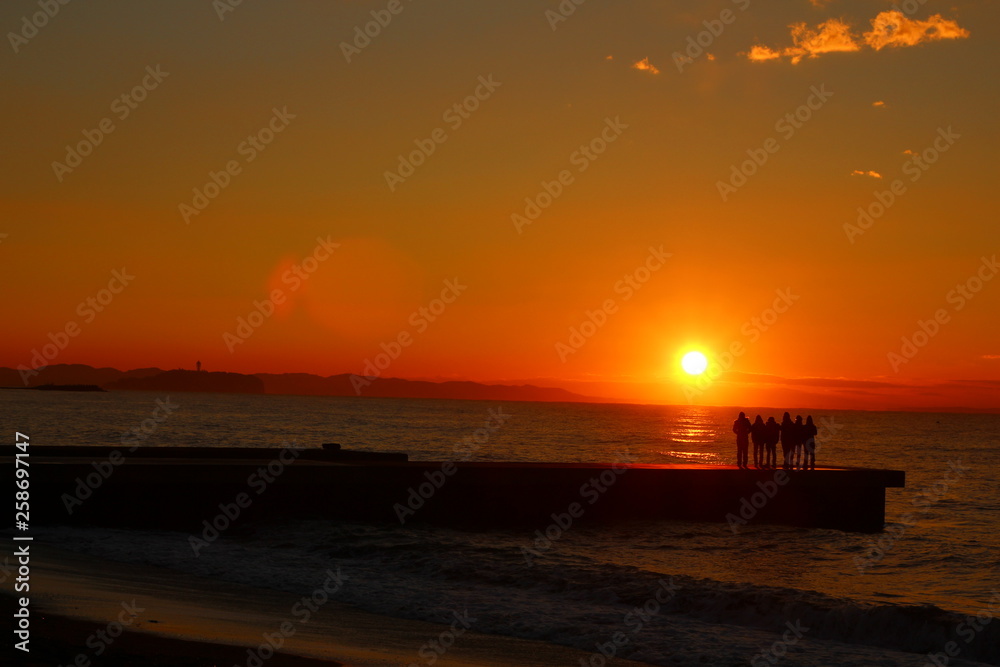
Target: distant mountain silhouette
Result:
[[223, 383], [71, 374], [341, 385], [155, 379]]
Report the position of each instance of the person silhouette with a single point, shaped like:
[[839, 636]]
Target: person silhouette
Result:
[[799, 431], [741, 427], [772, 435], [787, 440], [809, 432], [758, 433]]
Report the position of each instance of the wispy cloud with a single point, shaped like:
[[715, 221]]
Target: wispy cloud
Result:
[[889, 28], [872, 174], [830, 36], [761, 53], [991, 356], [645, 66], [878, 104], [892, 28]]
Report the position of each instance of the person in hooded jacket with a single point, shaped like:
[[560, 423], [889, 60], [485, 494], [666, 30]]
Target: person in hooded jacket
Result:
[[758, 434], [797, 443], [772, 436], [741, 427], [809, 432], [788, 434]]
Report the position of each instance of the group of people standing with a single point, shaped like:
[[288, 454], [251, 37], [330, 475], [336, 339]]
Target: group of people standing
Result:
[[798, 442]]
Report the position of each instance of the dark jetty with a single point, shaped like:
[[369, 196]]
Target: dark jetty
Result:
[[180, 487]]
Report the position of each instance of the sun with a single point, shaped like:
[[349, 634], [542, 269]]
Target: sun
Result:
[[694, 363]]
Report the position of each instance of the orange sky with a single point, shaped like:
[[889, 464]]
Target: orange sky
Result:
[[612, 120]]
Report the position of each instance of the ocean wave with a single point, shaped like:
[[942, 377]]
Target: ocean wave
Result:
[[566, 597]]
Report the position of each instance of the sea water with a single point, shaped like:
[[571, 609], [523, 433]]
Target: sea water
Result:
[[933, 576]]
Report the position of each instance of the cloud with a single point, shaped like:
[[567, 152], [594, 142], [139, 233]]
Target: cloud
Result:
[[762, 53], [819, 4], [878, 104], [991, 356], [645, 66], [830, 36], [891, 28], [872, 174]]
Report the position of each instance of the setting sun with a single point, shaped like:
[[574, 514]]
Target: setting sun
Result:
[[694, 363]]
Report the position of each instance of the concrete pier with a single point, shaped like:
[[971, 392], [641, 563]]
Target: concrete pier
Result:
[[181, 487]]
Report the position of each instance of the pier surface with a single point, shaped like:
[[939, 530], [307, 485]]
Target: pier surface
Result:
[[181, 488]]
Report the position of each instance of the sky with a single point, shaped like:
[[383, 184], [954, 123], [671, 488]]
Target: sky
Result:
[[571, 195]]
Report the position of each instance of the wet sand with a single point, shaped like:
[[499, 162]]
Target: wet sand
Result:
[[171, 618]]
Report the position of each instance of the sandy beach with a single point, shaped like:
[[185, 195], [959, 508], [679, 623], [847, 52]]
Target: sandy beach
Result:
[[79, 604]]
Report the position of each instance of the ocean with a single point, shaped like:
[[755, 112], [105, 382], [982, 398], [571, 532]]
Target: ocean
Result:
[[672, 593]]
